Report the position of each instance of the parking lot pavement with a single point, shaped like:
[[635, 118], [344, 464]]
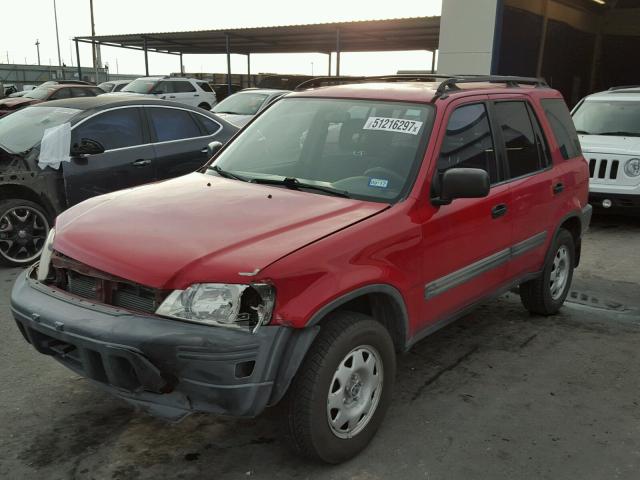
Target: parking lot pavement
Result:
[[499, 394]]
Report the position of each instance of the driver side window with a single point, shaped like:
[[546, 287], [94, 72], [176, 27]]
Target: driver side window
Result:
[[468, 142]]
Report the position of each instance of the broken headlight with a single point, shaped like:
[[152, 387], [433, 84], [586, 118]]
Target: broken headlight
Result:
[[227, 305], [45, 256]]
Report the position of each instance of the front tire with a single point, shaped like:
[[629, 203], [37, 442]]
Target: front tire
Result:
[[342, 391], [24, 227], [546, 294]]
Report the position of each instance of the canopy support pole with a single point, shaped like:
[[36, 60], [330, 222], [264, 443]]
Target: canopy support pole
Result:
[[228, 46], [248, 70], [78, 59], [146, 57], [337, 52]]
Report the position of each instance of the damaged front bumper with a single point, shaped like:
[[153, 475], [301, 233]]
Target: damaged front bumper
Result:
[[167, 367]]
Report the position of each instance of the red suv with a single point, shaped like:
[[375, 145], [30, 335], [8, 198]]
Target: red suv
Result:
[[341, 226]]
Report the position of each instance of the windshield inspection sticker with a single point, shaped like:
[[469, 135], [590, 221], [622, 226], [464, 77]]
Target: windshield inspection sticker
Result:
[[411, 127], [378, 183]]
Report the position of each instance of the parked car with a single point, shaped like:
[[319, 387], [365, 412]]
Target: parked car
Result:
[[7, 89], [65, 82], [115, 143], [609, 127], [189, 91], [241, 107], [113, 86], [44, 94], [222, 90], [299, 263]]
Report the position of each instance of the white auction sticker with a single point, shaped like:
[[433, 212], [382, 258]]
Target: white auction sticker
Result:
[[411, 127]]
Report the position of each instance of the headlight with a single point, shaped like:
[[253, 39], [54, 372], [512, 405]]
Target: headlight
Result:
[[229, 305], [632, 167], [45, 256]]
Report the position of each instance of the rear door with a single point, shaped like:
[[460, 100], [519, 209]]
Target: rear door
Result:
[[185, 92], [180, 139], [466, 243], [126, 162], [529, 171]]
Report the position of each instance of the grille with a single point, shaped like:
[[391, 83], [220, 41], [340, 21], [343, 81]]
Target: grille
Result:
[[603, 168], [113, 292]]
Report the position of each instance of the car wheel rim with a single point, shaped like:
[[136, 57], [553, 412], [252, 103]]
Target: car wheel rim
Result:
[[23, 231], [354, 392], [559, 273]]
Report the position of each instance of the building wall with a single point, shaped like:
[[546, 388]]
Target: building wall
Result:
[[467, 31]]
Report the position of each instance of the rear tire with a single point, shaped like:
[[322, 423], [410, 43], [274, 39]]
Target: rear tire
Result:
[[546, 294], [24, 226], [342, 391], [206, 106]]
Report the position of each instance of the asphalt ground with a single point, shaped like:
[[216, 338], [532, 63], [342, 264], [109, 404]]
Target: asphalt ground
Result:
[[500, 394]]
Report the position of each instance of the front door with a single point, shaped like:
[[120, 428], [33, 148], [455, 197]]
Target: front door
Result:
[[126, 162], [466, 243]]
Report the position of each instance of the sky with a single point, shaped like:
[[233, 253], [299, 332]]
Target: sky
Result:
[[18, 37]]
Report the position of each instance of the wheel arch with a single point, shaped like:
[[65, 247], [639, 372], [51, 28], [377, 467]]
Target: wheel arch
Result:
[[382, 302], [571, 222], [17, 191]]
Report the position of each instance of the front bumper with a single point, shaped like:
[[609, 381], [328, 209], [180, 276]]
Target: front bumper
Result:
[[620, 203], [167, 367]]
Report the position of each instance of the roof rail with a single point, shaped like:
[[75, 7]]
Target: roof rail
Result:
[[449, 81], [452, 82], [623, 87]]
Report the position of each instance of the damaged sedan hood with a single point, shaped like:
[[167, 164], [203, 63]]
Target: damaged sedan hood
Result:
[[200, 228], [11, 103]]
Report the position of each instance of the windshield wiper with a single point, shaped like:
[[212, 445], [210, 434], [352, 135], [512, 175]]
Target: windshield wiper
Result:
[[228, 113], [583, 132], [621, 133], [225, 174], [295, 184]]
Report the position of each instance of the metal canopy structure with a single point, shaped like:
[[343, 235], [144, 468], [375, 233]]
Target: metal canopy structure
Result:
[[416, 33]]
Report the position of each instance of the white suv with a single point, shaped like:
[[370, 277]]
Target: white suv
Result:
[[190, 91], [608, 124]]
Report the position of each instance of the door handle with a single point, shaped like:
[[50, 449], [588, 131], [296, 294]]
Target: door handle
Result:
[[499, 210], [172, 96], [141, 163], [557, 188], [196, 95]]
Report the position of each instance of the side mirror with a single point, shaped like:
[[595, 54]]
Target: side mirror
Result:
[[86, 147], [213, 148], [462, 183]]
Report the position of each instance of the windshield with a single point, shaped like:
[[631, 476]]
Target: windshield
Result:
[[38, 93], [141, 85], [23, 129], [365, 149], [241, 104], [615, 117]]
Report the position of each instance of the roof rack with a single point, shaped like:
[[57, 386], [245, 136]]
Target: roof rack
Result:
[[449, 81]]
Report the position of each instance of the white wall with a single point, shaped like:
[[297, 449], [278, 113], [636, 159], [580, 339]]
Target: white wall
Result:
[[466, 36]]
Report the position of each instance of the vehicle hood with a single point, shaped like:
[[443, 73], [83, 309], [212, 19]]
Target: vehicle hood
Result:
[[200, 228], [610, 144], [11, 103], [237, 120]]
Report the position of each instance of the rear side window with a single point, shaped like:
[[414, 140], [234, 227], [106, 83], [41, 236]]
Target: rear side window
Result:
[[209, 125], [563, 127], [520, 141], [468, 142], [173, 124], [183, 87], [115, 129], [205, 86], [81, 92]]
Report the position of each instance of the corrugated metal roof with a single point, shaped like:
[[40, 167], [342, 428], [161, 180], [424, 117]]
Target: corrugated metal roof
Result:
[[415, 33]]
